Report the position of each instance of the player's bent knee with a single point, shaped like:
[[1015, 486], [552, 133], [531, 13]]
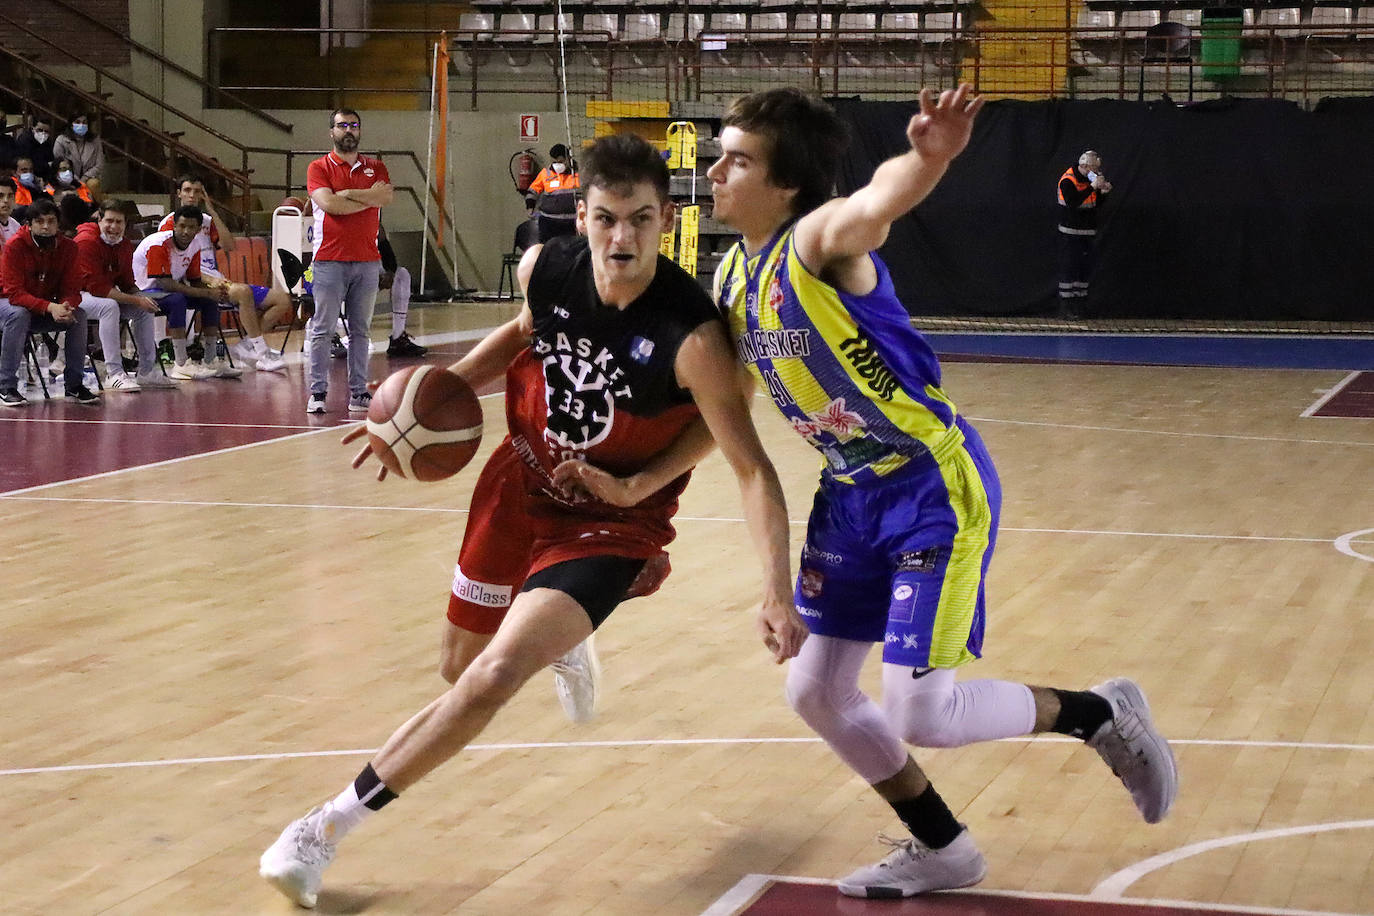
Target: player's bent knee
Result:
[[925, 720], [496, 676], [812, 699]]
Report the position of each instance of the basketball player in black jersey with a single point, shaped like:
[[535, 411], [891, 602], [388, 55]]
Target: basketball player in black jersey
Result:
[[615, 352]]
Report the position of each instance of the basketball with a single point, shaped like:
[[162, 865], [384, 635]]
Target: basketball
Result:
[[424, 423], [293, 202]]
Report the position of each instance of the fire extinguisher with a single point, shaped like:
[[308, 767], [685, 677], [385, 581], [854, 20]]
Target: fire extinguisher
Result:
[[523, 168]]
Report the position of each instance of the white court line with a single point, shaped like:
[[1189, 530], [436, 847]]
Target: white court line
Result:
[[631, 742], [198, 424], [160, 464], [1111, 887], [1169, 432], [1334, 390], [750, 886], [1345, 544], [19, 495]]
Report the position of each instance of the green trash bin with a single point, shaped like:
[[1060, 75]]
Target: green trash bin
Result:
[[1221, 43]]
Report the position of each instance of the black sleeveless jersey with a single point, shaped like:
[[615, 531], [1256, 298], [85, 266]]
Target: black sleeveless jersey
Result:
[[598, 383]]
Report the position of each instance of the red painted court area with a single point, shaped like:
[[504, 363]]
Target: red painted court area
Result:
[[787, 898], [55, 440], [1354, 398]]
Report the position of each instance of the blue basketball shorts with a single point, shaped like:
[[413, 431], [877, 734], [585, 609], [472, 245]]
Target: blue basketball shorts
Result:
[[903, 561]]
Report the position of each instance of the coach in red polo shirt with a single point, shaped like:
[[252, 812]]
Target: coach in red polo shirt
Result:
[[348, 190]]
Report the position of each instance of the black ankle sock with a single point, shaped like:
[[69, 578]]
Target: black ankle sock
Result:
[[1081, 713], [928, 818], [370, 790]]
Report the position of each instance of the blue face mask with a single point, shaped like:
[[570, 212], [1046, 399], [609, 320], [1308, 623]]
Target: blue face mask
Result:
[[79, 130], [26, 178]]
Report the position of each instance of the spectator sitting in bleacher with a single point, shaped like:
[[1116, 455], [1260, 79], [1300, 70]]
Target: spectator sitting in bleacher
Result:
[[275, 305], [110, 295], [72, 211], [8, 150], [82, 151], [28, 187], [167, 269], [41, 282], [36, 144], [8, 224]]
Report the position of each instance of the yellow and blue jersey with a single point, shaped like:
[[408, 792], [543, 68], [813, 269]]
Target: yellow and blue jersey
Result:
[[904, 522], [855, 379]]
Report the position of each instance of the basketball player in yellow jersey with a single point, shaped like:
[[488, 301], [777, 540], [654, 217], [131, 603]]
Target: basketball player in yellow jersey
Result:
[[905, 517]]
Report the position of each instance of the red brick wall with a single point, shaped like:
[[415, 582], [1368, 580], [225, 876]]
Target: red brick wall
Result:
[[92, 43]]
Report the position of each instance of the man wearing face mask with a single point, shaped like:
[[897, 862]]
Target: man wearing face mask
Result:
[[1081, 188], [110, 294], [36, 144], [82, 152], [553, 194], [41, 280], [28, 187]]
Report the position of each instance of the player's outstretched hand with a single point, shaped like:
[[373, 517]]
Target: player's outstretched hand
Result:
[[782, 629], [942, 128], [354, 434], [578, 478]]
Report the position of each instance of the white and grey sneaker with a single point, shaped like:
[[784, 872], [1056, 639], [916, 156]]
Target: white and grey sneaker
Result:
[[1135, 750], [221, 369], [121, 381], [155, 379], [912, 868], [577, 678], [295, 864]]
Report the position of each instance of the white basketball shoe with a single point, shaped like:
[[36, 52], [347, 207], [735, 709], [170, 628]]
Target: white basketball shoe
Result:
[[295, 864], [1135, 750], [912, 868], [577, 678]]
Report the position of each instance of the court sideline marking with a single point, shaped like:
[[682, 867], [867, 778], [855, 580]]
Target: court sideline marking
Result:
[[639, 742], [751, 886]]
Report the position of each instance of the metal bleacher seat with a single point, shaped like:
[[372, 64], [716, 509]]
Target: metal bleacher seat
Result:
[[600, 27], [482, 23], [684, 29], [1135, 22], [1364, 19], [1283, 20], [942, 26], [549, 27], [1096, 25], [516, 32], [641, 27], [1331, 23]]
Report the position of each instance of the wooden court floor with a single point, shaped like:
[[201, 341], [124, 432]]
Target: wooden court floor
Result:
[[193, 654]]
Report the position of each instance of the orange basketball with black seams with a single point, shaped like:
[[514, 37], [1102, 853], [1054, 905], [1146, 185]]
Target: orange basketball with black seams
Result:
[[425, 423]]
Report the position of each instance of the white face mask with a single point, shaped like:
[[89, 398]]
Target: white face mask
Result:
[[79, 130], [65, 176], [41, 136], [559, 167]]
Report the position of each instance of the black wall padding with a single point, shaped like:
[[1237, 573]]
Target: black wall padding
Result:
[[1242, 209]]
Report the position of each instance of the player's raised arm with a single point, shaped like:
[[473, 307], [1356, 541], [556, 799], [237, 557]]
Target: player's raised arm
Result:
[[855, 225], [706, 367]]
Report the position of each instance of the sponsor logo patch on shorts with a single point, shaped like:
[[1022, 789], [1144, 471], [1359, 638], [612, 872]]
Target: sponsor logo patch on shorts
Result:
[[807, 612], [812, 582], [484, 593], [921, 561]]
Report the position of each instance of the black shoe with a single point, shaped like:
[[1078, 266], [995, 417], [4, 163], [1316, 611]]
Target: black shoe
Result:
[[83, 395], [404, 346], [337, 349], [195, 352], [10, 397]]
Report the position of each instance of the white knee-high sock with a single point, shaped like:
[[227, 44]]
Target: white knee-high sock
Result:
[[823, 687], [400, 301], [934, 711]]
